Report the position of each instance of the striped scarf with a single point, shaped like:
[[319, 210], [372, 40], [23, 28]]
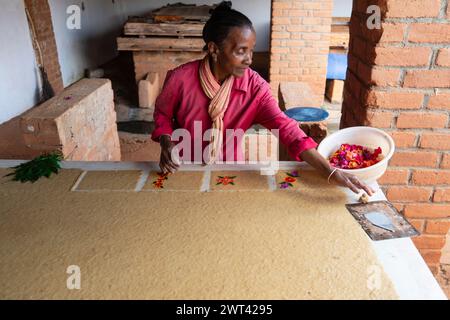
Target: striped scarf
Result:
[[220, 98]]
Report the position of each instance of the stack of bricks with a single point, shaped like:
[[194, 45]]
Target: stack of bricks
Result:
[[300, 41], [80, 122], [399, 80], [42, 20]]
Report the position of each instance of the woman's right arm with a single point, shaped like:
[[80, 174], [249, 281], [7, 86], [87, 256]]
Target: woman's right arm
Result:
[[165, 107]]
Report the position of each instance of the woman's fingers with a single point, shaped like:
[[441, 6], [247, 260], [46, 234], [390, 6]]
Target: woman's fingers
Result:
[[353, 183], [367, 189], [351, 186], [362, 185], [163, 168], [167, 165], [173, 166]]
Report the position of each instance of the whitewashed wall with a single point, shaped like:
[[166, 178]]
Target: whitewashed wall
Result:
[[94, 43], [18, 77], [342, 8]]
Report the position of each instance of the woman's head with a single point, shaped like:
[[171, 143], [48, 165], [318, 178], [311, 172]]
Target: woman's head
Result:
[[230, 39]]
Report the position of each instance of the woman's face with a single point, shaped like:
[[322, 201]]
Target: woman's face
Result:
[[235, 54]]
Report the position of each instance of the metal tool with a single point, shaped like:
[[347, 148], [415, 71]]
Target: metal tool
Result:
[[380, 220]]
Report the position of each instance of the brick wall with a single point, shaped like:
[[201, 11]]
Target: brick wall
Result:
[[80, 121], [42, 20], [399, 80], [300, 40]]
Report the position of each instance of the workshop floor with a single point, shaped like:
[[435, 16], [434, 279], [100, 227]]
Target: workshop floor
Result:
[[137, 235]]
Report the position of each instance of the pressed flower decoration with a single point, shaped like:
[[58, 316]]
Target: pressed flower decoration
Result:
[[289, 180], [355, 157], [225, 180], [159, 183]]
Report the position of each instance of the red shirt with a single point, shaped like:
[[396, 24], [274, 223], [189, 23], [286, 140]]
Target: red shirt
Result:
[[182, 102]]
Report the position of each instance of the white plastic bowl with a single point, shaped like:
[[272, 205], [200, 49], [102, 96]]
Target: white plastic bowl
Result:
[[367, 137]]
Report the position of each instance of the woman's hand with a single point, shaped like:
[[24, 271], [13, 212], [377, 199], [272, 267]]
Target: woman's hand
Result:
[[350, 181], [340, 178], [166, 162]]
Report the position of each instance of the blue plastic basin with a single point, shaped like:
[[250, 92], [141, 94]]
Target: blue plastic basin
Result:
[[307, 114]]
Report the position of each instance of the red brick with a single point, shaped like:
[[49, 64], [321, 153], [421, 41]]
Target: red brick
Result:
[[355, 26], [280, 35], [412, 8], [429, 241], [402, 57], [359, 48], [434, 268], [394, 100], [311, 5], [430, 177], [431, 256], [419, 224], [441, 101], [280, 49], [296, 28], [441, 195], [427, 78], [394, 176], [437, 226], [389, 32], [443, 58], [378, 76], [311, 36], [353, 85], [348, 119], [445, 164], [277, 12], [281, 5], [360, 6], [399, 206], [297, 13], [414, 159], [429, 33], [320, 13], [421, 120], [379, 119], [437, 141], [279, 64], [281, 20], [403, 139], [312, 21], [408, 194], [392, 32]]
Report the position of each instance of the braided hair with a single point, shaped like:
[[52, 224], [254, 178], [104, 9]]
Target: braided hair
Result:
[[223, 19]]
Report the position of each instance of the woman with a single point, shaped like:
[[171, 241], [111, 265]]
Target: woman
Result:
[[221, 92]]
